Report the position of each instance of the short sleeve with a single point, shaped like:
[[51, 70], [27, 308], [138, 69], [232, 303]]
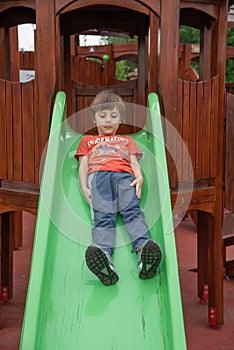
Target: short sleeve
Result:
[[134, 149], [82, 149]]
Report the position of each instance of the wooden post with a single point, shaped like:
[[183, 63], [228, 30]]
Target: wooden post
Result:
[[7, 252], [216, 284], [14, 54], [153, 58], [45, 68], [141, 71], [203, 229], [3, 56], [169, 48], [67, 73], [205, 53], [168, 71]]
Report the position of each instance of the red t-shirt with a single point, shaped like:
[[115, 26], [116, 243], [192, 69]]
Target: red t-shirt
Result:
[[108, 153]]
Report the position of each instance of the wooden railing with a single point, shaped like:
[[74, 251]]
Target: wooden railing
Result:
[[197, 123], [18, 148]]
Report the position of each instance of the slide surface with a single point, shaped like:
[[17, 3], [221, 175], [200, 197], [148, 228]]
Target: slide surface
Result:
[[67, 307]]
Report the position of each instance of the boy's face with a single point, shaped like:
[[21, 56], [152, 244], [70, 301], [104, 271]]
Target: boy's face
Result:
[[107, 121]]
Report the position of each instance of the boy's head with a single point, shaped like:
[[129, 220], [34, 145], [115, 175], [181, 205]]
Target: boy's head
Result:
[[107, 100]]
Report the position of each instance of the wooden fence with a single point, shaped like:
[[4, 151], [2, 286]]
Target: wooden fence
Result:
[[18, 149], [197, 123], [229, 164]]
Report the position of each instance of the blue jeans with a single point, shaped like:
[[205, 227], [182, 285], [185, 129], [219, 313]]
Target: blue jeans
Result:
[[111, 193]]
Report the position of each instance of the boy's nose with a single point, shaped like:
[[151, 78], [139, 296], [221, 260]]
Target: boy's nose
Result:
[[108, 118]]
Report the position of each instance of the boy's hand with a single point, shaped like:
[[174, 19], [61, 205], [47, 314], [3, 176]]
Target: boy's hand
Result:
[[87, 194], [138, 182]]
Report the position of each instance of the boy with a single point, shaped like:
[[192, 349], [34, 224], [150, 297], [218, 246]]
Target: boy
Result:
[[111, 181]]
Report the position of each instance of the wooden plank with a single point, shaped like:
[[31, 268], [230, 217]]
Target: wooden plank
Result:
[[45, 68], [28, 132], [62, 5], [199, 135], [214, 126], [17, 133], [9, 128], [206, 129], [153, 58], [179, 144], [17, 228], [202, 199], [186, 111], [14, 57], [7, 253], [203, 222], [3, 56], [19, 200], [229, 164], [192, 127], [37, 155], [3, 138]]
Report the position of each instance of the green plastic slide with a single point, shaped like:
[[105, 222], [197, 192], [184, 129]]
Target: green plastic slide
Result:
[[67, 307]]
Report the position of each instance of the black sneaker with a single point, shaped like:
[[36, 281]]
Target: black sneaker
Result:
[[100, 263], [149, 258]]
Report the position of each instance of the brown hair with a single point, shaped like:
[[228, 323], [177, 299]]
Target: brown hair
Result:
[[109, 100]]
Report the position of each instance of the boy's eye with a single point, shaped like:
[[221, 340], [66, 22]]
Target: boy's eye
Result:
[[102, 115], [114, 115]]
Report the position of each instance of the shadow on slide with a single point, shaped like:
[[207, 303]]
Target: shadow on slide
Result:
[[67, 308]]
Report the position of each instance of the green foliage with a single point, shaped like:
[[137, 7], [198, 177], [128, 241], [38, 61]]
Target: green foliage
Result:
[[105, 40], [189, 35], [230, 62], [230, 37], [123, 67], [230, 71]]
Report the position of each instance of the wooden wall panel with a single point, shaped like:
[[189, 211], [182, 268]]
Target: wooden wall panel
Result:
[[206, 130], [192, 125], [9, 123], [28, 132], [17, 132], [26, 60], [3, 138], [179, 126], [214, 126], [229, 175], [17, 122], [186, 114], [198, 126]]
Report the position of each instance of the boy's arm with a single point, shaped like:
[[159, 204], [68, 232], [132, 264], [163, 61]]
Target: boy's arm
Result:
[[138, 182], [83, 177]]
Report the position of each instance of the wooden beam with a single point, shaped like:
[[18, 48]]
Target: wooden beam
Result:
[[3, 56], [216, 285], [45, 68], [168, 68], [153, 53]]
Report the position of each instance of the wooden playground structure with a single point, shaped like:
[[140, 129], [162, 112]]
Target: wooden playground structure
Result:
[[196, 105]]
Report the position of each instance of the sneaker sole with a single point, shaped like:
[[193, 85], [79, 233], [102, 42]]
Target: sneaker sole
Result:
[[98, 263], [151, 257]]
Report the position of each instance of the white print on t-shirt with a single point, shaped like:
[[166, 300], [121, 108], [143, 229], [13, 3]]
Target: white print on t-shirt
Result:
[[107, 139]]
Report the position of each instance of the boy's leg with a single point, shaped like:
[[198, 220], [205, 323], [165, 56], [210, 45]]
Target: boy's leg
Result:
[[104, 210], [129, 207], [98, 255], [148, 251]]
